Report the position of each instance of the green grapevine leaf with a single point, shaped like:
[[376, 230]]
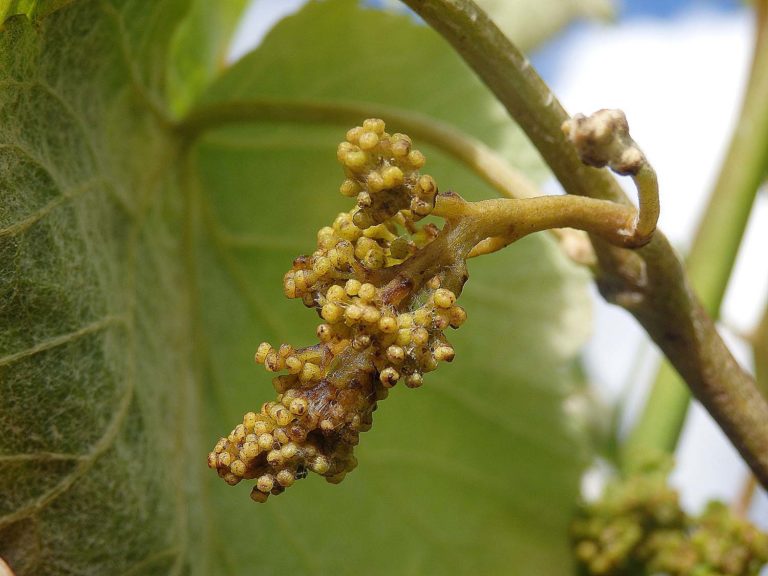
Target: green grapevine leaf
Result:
[[199, 49], [34, 9], [139, 271], [528, 24], [96, 388]]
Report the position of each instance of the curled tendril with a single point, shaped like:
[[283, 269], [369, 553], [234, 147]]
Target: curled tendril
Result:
[[383, 311]]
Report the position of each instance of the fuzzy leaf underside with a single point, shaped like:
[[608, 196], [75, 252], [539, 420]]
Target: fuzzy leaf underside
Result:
[[93, 354], [136, 282]]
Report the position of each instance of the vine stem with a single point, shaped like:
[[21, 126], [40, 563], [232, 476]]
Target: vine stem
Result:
[[649, 282], [759, 343], [715, 247], [760, 352], [468, 150], [471, 152]]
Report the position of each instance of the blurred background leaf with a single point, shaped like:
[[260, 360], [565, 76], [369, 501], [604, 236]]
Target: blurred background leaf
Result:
[[530, 24], [199, 49]]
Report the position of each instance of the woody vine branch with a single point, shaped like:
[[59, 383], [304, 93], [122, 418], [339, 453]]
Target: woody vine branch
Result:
[[649, 282]]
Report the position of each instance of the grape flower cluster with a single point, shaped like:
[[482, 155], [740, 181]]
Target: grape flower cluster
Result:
[[638, 527], [380, 325]]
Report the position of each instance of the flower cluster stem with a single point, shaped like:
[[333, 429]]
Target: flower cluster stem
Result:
[[471, 152]]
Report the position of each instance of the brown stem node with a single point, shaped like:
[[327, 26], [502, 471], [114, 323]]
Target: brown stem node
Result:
[[603, 140]]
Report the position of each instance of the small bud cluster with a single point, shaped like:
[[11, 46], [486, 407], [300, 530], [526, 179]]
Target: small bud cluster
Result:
[[345, 251], [306, 429], [370, 338], [639, 522], [603, 139], [403, 344], [383, 173]]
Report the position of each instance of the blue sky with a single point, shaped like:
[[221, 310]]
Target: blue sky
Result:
[[666, 8], [549, 58]]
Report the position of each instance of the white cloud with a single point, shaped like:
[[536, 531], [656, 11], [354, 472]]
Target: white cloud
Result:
[[259, 19]]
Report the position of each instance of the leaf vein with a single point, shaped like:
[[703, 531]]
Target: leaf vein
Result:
[[65, 105], [87, 462], [39, 457], [133, 74], [262, 242], [61, 339], [55, 176], [137, 569], [24, 224], [256, 306]]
